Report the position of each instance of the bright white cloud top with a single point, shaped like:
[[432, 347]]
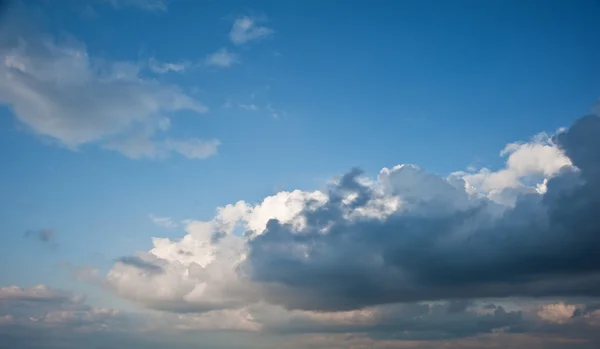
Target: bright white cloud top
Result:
[[407, 236]]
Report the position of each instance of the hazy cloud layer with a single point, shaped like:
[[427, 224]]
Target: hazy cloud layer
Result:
[[64, 320]]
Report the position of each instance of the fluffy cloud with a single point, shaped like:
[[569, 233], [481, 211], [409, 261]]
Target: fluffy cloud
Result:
[[407, 236], [58, 91], [246, 29]]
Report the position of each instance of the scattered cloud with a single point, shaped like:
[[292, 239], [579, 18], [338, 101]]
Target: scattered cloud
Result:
[[222, 58], [246, 29]]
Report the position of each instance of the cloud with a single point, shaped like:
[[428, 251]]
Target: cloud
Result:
[[165, 222], [41, 317], [164, 67], [249, 107], [65, 318], [246, 29], [193, 148], [140, 264], [44, 235], [59, 92], [221, 58], [146, 5], [440, 244], [39, 293], [407, 236]]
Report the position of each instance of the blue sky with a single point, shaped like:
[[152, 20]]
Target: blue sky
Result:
[[171, 109]]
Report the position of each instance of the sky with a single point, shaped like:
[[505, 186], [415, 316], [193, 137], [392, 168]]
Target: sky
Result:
[[299, 174]]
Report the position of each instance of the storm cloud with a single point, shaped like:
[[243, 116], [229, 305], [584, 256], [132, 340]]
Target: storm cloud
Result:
[[444, 245]]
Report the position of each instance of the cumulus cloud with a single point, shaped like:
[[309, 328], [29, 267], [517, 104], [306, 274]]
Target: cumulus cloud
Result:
[[246, 29], [221, 58], [407, 236], [59, 92]]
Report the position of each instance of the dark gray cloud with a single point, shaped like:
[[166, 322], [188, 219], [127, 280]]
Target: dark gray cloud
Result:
[[139, 263], [545, 246], [43, 235]]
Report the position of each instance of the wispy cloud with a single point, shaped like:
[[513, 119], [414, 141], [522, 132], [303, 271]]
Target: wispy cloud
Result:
[[222, 58], [58, 91], [146, 5], [165, 67], [193, 148], [246, 29], [165, 222], [249, 107], [275, 113]]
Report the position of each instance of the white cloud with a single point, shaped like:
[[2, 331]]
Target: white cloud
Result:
[[165, 67], [59, 91], [557, 313], [222, 58], [246, 29], [535, 160], [165, 222]]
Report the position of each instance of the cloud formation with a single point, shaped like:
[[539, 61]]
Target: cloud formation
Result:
[[59, 92], [408, 236], [246, 29], [64, 320]]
